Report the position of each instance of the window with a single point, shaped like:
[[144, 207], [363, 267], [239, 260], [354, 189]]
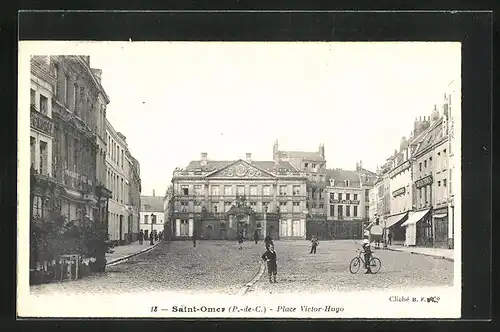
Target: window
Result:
[[307, 205], [332, 210], [296, 190], [430, 161], [185, 190], [146, 219], [332, 195], [282, 206], [253, 204], [43, 158], [75, 89], [355, 197], [355, 211], [33, 151], [420, 167], [32, 97], [227, 206], [37, 207], [253, 191], [340, 196], [282, 190], [296, 207], [66, 89], [348, 211], [340, 211], [215, 190], [228, 190], [420, 193], [198, 190], [266, 190], [321, 206], [240, 190], [306, 164], [313, 165], [265, 206], [347, 183], [347, 196], [439, 183], [215, 207], [425, 163], [313, 205], [153, 219], [184, 231], [444, 182], [444, 152], [184, 206]]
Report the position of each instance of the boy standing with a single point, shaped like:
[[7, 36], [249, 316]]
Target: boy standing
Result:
[[270, 257], [314, 244], [240, 239], [368, 255]]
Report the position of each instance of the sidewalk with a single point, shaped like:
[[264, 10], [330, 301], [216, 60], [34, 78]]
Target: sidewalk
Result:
[[126, 251], [447, 254]]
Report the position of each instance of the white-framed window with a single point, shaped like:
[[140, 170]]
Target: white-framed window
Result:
[[215, 190], [227, 206], [283, 190], [348, 196], [253, 191], [198, 189], [296, 207], [348, 211], [184, 206], [184, 228], [185, 190], [296, 190], [265, 206], [240, 190], [44, 105], [43, 158], [228, 190], [215, 207], [146, 219], [253, 204], [266, 190], [283, 206]]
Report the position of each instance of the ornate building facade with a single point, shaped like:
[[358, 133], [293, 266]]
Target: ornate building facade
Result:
[[65, 154], [219, 199]]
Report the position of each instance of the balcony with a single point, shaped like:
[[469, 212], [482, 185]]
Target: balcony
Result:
[[40, 121]]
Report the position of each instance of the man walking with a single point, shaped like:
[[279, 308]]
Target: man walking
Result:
[[240, 240], [256, 236], [194, 237], [270, 258], [141, 237], [389, 238]]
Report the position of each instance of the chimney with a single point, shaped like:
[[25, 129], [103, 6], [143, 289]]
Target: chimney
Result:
[[360, 164], [203, 159], [153, 193], [249, 158], [322, 150]]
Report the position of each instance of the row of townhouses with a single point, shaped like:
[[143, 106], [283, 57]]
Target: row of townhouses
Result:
[[292, 196], [414, 196], [81, 167]]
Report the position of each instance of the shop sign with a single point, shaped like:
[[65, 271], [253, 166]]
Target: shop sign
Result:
[[344, 201], [424, 182], [400, 191]]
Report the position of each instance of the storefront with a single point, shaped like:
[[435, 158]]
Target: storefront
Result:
[[440, 221], [393, 226]]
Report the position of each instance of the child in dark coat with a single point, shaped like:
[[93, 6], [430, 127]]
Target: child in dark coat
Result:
[[270, 257], [240, 240], [314, 244]]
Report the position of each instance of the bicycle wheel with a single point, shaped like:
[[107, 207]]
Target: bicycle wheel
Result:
[[375, 264], [354, 265]]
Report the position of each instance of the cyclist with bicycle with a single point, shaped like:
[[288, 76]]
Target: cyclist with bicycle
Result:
[[367, 251]]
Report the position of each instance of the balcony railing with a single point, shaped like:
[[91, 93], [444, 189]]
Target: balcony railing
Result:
[[41, 122]]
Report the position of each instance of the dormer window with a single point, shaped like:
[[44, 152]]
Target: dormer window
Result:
[[346, 183]]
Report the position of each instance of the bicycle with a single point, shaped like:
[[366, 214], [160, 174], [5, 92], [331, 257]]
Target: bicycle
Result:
[[356, 262]]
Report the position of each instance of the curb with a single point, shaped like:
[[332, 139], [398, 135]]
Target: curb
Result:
[[242, 291], [422, 254], [124, 258]]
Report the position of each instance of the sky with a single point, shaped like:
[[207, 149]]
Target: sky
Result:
[[174, 100]]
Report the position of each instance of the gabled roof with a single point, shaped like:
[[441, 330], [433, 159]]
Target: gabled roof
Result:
[[305, 155], [432, 135], [214, 165], [152, 204], [340, 175], [241, 168]]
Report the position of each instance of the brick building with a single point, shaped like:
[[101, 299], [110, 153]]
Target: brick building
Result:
[[219, 199]]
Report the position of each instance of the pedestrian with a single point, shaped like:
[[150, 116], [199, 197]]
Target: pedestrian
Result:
[[389, 237], [368, 255], [194, 237], [160, 235], [141, 237], [145, 236], [240, 240], [256, 236], [156, 236], [314, 244], [268, 241], [270, 258], [151, 237]]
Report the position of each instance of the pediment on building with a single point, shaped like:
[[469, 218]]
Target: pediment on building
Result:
[[240, 169]]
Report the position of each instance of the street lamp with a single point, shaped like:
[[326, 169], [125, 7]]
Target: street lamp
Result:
[[153, 217]]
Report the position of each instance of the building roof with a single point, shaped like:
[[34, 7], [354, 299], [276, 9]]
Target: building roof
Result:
[[214, 165], [432, 136], [305, 155], [151, 204], [340, 175]]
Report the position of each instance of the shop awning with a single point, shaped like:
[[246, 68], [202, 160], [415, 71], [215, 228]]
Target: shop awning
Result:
[[440, 216], [393, 220], [415, 217]]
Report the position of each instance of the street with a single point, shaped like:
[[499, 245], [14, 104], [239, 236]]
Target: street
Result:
[[220, 267]]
